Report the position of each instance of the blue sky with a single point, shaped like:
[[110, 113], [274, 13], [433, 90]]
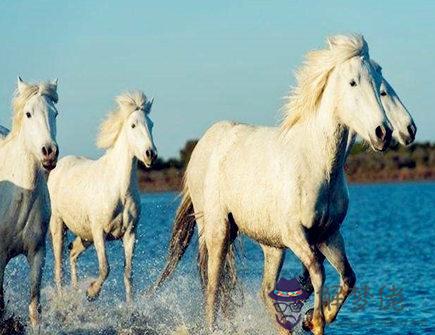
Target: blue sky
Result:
[[202, 61]]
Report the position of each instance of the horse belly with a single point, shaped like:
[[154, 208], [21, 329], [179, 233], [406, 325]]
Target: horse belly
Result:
[[79, 226], [262, 230]]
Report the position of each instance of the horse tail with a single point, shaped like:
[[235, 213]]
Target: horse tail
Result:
[[182, 231], [231, 291], [202, 261]]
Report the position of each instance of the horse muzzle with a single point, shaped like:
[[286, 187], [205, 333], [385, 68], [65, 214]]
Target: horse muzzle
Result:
[[150, 157], [49, 164]]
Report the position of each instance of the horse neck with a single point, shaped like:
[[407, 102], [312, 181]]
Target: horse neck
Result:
[[20, 166], [122, 165], [323, 141]]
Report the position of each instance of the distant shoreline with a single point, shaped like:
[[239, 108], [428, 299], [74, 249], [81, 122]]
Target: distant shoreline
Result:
[[363, 166], [170, 180]]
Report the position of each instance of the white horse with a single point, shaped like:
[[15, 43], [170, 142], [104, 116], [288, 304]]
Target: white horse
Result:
[[99, 199], [284, 187], [28, 149], [404, 131]]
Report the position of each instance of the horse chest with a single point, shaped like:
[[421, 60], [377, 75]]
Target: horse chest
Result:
[[116, 227], [23, 221], [122, 219], [328, 213]]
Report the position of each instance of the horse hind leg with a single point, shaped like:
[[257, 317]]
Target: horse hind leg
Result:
[[229, 281], [216, 234], [76, 249]]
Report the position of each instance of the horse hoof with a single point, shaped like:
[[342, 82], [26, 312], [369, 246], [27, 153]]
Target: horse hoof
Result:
[[90, 297], [306, 324]]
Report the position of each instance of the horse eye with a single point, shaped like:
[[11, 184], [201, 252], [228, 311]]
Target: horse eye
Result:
[[28, 115], [352, 83], [383, 93], [133, 125]]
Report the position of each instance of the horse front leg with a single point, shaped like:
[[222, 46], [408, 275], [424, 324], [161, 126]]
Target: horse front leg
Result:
[[57, 236], [36, 261], [128, 240], [304, 277], [296, 240], [273, 261], [334, 251], [94, 289]]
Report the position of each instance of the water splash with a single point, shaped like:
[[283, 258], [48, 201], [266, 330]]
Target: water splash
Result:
[[177, 310]]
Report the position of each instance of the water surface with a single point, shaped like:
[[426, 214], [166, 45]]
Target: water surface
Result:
[[390, 239]]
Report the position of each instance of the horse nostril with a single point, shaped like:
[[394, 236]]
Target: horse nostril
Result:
[[380, 132], [151, 155], [49, 150], [383, 133], [411, 130]]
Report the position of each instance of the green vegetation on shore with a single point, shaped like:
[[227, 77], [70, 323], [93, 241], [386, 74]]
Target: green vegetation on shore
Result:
[[416, 162]]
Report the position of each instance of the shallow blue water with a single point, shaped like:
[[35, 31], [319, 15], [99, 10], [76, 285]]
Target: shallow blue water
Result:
[[390, 239]]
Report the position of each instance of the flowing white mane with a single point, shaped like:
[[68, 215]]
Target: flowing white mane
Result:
[[312, 76], [111, 126], [21, 97]]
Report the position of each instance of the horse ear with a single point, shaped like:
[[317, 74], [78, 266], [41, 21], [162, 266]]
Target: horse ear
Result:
[[149, 105], [54, 83], [376, 66], [331, 42], [336, 40], [21, 85]]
